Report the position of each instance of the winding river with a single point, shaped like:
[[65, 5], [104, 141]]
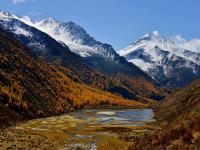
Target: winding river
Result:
[[89, 128]]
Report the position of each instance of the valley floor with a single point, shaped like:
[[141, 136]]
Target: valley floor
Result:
[[86, 129]]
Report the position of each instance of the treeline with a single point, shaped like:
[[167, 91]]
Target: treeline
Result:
[[128, 87], [179, 118], [81, 95], [33, 88]]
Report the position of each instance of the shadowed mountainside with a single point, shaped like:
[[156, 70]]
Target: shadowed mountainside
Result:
[[76, 68], [31, 88], [179, 115], [164, 60]]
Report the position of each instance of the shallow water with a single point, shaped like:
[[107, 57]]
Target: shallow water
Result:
[[130, 117], [81, 128]]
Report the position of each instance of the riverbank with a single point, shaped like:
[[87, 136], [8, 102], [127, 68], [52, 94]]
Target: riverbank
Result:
[[98, 129]]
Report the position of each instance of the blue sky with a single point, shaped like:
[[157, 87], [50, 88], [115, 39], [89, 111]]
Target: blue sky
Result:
[[117, 22]]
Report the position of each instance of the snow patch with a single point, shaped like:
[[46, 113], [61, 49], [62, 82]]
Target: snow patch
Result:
[[150, 41], [156, 33], [5, 15], [72, 35], [141, 64], [158, 52], [21, 31]]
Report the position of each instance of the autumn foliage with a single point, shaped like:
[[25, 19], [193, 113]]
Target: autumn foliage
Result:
[[179, 118], [13, 96], [33, 88]]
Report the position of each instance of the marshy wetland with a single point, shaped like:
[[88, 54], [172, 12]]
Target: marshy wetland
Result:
[[88, 129]]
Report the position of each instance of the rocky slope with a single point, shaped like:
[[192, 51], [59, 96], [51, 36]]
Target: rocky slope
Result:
[[78, 68], [163, 60], [99, 55], [31, 88], [180, 103], [179, 116]]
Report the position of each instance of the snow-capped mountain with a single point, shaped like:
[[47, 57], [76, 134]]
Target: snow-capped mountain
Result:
[[153, 39], [73, 35], [6, 17], [43, 45], [163, 59], [100, 56], [114, 74], [60, 36]]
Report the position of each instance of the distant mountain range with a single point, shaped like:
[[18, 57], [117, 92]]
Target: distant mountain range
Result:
[[100, 66], [49, 68], [166, 62], [31, 88], [100, 56], [161, 58]]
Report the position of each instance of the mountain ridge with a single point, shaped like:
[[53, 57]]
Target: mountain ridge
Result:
[[31, 88], [163, 60], [179, 118], [90, 49], [77, 68]]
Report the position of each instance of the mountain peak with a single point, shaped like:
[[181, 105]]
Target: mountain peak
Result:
[[155, 33], [148, 42], [71, 23], [155, 39], [152, 34], [5, 14], [75, 27], [162, 58], [49, 20]]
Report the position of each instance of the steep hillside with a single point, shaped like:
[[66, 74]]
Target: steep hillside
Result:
[[180, 103], [179, 116], [100, 56], [166, 62], [49, 49], [143, 90], [30, 88], [76, 68]]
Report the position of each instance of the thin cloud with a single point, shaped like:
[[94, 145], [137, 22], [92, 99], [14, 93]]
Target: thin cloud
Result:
[[18, 1], [193, 44], [25, 19], [21, 1]]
